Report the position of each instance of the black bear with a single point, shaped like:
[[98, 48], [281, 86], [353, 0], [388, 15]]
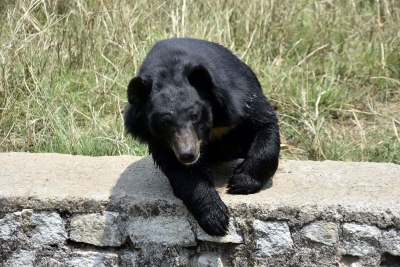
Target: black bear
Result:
[[194, 102]]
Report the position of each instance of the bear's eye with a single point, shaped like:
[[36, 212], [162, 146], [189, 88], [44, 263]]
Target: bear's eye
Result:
[[193, 117], [165, 123]]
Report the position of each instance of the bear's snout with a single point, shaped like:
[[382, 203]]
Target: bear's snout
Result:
[[187, 155], [186, 146]]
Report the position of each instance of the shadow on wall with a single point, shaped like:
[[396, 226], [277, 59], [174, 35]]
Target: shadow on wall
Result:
[[142, 182], [147, 207]]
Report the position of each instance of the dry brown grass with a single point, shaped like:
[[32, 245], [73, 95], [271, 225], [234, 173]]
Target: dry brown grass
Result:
[[331, 68]]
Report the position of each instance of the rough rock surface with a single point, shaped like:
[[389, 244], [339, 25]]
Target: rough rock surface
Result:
[[62, 210], [9, 225], [359, 240], [210, 260], [96, 229], [272, 238], [89, 259], [49, 228], [161, 230], [322, 232]]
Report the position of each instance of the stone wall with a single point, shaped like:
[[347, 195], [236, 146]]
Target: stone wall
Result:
[[62, 210]]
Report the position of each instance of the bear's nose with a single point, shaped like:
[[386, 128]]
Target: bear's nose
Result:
[[187, 156]]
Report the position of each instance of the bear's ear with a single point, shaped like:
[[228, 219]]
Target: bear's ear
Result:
[[200, 78], [138, 89]]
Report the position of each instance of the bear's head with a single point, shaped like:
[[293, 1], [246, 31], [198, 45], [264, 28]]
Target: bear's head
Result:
[[175, 110]]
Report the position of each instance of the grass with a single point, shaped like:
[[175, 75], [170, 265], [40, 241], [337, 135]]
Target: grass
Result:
[[330, 68]]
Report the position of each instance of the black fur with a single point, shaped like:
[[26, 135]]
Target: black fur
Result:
[[193, 102]]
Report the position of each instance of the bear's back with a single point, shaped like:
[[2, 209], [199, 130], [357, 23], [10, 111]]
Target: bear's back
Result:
[[221, 63]]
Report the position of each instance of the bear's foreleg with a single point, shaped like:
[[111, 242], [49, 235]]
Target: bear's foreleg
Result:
[[194, 185], [259, 165]]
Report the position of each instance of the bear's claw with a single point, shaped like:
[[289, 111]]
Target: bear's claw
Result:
[[242, 183], [215, 219]]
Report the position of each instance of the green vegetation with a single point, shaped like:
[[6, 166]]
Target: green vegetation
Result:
[[330, 68]]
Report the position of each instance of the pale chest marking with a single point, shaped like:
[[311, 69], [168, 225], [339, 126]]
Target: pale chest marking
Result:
[[218, 132]]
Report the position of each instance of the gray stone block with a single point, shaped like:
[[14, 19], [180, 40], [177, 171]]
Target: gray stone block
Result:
[[21, 258], [360, 240], [49, 228], [272, 238], [210, 259], [390, 242], [97, 229], [91, 259], [128, 259], [161, 230], [9, 225], [322, 232]]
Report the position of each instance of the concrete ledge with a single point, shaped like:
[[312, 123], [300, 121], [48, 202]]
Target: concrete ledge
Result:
[[62, 210]]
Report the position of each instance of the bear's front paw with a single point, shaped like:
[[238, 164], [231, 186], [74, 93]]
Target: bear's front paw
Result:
[[242, 183], [214, 218]]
